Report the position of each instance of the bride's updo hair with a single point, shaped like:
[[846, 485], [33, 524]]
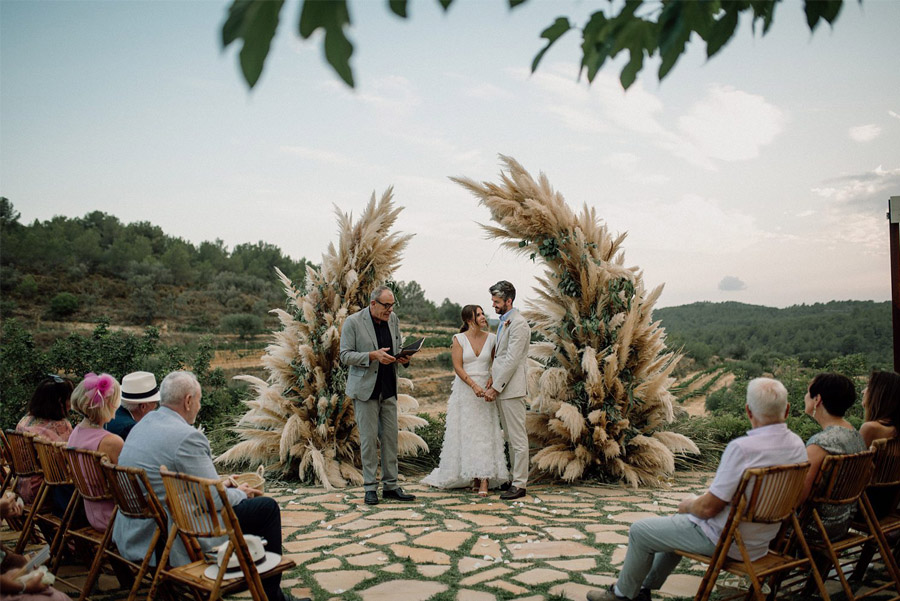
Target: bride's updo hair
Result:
[[468, 314]]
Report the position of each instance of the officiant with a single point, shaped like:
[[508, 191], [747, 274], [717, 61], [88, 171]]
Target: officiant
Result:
[[370, 341]]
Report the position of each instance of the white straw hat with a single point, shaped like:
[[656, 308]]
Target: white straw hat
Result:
[[140, 387], [263, 559]]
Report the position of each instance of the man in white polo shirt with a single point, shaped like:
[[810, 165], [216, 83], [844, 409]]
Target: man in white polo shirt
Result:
[[700, 520]]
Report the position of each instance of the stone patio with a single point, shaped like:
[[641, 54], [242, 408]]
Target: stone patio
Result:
[[557, 543]]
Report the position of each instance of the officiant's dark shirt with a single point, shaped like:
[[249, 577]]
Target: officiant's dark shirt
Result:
[[386, 382]]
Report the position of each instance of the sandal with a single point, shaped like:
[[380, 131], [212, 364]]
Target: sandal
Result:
[[483, 490]]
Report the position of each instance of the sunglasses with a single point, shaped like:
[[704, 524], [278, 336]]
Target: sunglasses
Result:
[[55, 378]]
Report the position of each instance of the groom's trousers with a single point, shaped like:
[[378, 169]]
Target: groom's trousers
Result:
[[512, 419]]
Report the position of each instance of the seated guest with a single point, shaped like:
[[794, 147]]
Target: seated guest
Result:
[[700, 520], [140, 396], [881, 400], [167, 437], [11, 588], [826, 401], [97, 398], [47, 418]]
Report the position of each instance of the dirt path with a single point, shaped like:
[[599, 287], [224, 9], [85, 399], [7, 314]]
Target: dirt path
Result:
[[696, 406]]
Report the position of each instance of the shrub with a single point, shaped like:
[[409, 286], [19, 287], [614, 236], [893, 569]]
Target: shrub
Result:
[[27, 287], [63, 304], [242, 324]]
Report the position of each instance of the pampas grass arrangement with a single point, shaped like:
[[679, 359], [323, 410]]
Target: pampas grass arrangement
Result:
[[300, 421], [599, 379]]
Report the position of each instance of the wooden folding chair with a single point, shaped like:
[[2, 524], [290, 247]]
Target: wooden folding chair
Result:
[[55, 474], [135, 499], [768, 495], [842, 480], [7, 474], [24, 464], [200, 509], [91, 484], [885, 484]]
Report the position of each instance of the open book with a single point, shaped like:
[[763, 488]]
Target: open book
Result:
[[410, 349]]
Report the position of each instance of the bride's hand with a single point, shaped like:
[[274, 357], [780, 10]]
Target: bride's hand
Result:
[[479, 391]]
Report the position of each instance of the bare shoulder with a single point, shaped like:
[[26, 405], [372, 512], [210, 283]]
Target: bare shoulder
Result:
[[872, 431]]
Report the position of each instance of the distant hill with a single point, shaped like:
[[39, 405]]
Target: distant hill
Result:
[[815, 333]]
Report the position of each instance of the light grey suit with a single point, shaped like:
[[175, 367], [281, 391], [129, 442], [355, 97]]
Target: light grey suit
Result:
[[164, 438], [509, 379], [375, 418]]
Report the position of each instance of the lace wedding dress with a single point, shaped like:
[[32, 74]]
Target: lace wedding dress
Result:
[[473, 440]]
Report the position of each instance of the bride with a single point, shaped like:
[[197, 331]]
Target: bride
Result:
[[473, 442]]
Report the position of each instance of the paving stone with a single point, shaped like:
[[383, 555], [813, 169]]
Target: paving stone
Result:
[[482, 519], [551, 550], [314, 534], [443, 539], [403, 590], [571, 590], [470, 595], [506, 530], [298, 546], [484, 576], [456, 525], [360, 524], [564, 533], [487, 547], [387, 538], [421, 555], [344, 519], [335, 506], [632, 516], [470, 564], [681, 585], [302, 558], [375, 558], [394, 514], [351, 549], [394, 568], [430, 571], [605, 527], [601, 580], [340, 581], [332, 497], [367, 534], [610, 538], [618, 555], [531, 598], [574, 565], [540, 576], [302, 593], [329, 564], [515, 589], [301, 518]]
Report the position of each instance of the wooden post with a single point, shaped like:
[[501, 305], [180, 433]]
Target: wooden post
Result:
[[894, 232]]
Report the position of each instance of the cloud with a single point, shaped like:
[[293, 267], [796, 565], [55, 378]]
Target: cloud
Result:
[[894, 114], [487, 91], [864, 133], [315, 154], [731, 283], [631, 166], [731, 125], [860, 190]]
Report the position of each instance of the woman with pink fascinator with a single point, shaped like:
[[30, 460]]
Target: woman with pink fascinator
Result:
[[97, 398]]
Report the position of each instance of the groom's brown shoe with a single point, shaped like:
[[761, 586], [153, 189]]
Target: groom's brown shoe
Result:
[[514, 492]]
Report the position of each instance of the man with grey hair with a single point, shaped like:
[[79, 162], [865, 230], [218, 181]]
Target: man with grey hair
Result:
[[370, 339], [508, 383], [700, 520], [167, 437]]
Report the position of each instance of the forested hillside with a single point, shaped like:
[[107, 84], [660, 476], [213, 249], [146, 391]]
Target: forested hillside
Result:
[[814, 334], [84, 268]]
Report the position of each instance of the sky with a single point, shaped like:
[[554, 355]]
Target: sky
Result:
[[761, 175]]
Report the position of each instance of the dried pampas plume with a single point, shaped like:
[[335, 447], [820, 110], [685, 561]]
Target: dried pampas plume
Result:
[[300, 422], [600, 397]]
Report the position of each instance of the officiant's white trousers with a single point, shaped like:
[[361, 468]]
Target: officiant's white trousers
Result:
[[512, 419]]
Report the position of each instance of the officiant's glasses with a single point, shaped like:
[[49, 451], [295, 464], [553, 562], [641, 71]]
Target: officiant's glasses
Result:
[[387, 305]]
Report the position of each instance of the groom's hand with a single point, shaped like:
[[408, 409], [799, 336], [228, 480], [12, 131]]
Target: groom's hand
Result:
[[382, 355], [490, 394]]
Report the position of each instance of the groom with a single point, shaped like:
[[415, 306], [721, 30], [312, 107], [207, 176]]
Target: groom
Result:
[[508, 382]]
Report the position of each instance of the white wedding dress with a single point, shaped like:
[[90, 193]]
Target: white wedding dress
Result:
[[473, 441]]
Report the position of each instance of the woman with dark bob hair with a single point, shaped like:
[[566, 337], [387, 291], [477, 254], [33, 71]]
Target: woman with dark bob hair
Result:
[[47, 418], [881, 400], [826, 401]]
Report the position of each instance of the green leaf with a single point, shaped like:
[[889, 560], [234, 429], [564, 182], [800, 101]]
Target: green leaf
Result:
[[445, 4], [595, 46], [398, 7], [255, 22], [331, 16], [551, 34], [515, 3], [821, 9], [722, 29], [673, 35], [765, 10]]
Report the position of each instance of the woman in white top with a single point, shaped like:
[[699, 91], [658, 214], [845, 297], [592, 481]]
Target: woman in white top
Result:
[[472, 453]]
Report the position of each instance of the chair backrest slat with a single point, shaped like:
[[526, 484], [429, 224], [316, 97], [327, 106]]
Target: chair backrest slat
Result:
[[887, 462], [87, 473], [843, 478], [53, 465], [192, 504], [772, 493], [22, 453]]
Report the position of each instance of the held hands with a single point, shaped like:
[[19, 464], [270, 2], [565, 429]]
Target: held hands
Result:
[[383, 356], [490, 395]]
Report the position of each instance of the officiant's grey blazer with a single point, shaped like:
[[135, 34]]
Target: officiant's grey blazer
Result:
[[357, 340]]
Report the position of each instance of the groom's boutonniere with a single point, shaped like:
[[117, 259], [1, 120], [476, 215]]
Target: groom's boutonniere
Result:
[[506, 323]]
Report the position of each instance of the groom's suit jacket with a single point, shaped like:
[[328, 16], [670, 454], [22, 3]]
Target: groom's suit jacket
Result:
[[510, 357], [357, 340]]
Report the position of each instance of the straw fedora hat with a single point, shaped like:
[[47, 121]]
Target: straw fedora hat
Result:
[[140, 387], [264, 560]]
